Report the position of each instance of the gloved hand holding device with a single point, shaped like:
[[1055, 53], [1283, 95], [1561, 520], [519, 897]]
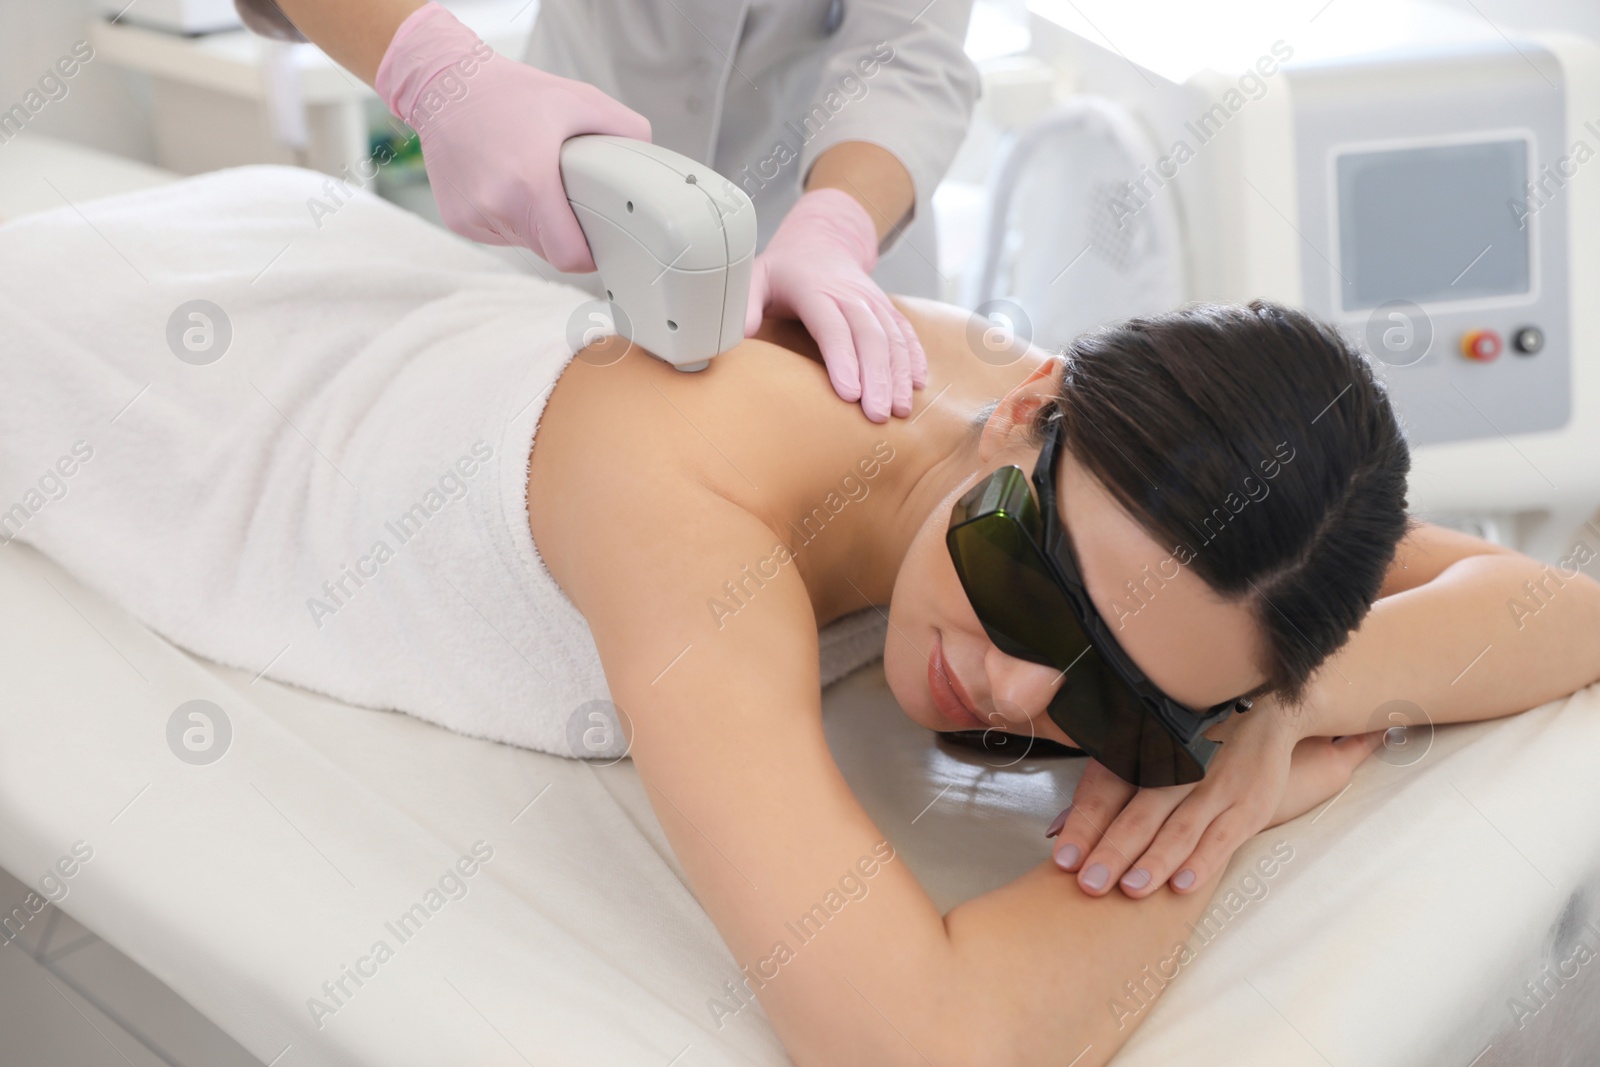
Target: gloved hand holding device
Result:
[[492, 130]]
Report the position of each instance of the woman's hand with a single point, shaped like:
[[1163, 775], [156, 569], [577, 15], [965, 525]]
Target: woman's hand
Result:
[[817, 268], [1265, 774]]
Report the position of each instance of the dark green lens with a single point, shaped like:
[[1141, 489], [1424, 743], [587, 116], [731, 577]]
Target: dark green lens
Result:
[[1024, 612]]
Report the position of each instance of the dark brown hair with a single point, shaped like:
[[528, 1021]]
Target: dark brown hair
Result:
[[1182, 416]]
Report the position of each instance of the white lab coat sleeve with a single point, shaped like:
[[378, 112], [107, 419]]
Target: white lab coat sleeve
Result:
[[898, 77], [267, 19]]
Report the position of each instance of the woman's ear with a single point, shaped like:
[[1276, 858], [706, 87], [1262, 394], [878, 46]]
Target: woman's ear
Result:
[[1008, 426]]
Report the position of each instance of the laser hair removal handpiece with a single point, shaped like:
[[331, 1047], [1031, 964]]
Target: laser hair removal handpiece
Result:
[[674, 242]]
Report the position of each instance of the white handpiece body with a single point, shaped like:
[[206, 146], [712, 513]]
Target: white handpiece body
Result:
[[674, 242]]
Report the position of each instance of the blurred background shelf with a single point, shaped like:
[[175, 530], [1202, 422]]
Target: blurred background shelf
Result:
[[229, 98]]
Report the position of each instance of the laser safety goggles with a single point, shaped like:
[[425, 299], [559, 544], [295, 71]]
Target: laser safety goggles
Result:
[[1015, 562]]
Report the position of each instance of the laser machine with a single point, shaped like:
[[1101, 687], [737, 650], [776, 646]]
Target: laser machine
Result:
[[1408, 172]]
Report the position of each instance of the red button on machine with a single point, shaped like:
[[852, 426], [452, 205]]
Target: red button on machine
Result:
[[1481, 345]]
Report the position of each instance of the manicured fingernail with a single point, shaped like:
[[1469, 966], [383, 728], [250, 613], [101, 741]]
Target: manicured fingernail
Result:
[[1184, 879], [1061, 820], [1096, 876], [1136, 879], [1068, 857]]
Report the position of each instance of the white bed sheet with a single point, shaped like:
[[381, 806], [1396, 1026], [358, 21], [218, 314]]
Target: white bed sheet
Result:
[[1414, 907]]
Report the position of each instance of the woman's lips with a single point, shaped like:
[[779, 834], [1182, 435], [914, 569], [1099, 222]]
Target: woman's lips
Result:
[[949, 696]]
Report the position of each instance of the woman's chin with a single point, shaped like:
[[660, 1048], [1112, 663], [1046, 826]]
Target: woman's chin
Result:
[[913, 704]]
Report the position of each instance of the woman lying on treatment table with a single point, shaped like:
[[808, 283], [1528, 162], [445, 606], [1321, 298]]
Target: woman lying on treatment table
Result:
[[1253, 417], [1227, 494]]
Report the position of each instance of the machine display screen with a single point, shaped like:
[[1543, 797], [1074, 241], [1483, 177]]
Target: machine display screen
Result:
[[1441, 223]]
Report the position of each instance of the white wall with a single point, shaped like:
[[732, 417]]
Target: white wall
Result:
[[1577, 16], [104, 106], [109, 108]]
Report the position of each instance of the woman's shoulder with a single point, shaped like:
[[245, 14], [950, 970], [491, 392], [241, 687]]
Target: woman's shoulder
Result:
[[642, 473]]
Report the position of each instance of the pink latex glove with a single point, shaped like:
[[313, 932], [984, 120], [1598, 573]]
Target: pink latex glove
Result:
[[817, 269], [491, 132]]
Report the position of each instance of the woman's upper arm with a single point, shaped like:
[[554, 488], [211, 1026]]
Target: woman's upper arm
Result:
[[826, 921], [1425, 552]]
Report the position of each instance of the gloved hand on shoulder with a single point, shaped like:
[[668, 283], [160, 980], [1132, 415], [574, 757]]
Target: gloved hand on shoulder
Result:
[[817, 268]]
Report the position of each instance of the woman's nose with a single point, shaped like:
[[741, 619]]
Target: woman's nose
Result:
[[1020, 689]]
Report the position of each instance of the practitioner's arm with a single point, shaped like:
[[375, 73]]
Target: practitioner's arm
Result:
[[852, 961], [491, 128], [354, 33], [872, 175]]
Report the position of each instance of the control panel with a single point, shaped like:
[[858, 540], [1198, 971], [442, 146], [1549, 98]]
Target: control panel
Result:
[[1438, 231]]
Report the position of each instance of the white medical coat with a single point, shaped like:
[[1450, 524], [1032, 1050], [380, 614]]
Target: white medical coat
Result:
[[758, 89]]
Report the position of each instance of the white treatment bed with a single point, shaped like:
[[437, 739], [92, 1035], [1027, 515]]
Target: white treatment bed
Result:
[[1413, 908]]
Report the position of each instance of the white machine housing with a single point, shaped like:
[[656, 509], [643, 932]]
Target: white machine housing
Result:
[[674, 242], [1353, 159], [187, 17]]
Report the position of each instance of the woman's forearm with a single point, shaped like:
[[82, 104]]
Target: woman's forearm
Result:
[[1051, 974], [355, 33], [1490, 635], [878, 181]]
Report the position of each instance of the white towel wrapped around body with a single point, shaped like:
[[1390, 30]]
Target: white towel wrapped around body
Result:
[[339, 500]]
